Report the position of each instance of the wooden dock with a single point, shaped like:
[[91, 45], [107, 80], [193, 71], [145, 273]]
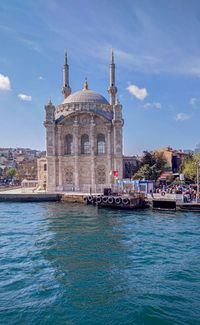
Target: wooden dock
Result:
[[127, 202]]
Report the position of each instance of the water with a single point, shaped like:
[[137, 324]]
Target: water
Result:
[[74, 264]]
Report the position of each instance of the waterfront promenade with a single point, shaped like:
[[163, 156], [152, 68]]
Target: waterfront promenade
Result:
[[30, 195]]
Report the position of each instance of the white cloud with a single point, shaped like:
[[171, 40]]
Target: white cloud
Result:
[[140, 94], [4, 82], [147, 105], [25, 97], [155, 104], [40, 78], [182, 117], [192, 101], [31, 44]]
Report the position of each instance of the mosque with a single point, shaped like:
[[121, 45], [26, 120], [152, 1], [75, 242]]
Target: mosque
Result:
[[83, 139]]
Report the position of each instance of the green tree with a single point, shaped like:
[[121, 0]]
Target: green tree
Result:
[[148, 158], [11, 173], [189, 159], [27, 170], [151, 166], [160, 161], [189, 167], [143, 173]]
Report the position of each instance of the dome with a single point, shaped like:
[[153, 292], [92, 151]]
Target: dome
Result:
[[86, 96]]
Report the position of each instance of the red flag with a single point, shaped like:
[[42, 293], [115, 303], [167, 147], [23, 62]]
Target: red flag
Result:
[[115, 172]]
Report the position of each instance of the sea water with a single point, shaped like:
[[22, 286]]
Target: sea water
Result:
[[76, 264]]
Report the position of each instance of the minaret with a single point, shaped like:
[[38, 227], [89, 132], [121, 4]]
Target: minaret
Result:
[[50, 113], [112, 89], [66, 90]]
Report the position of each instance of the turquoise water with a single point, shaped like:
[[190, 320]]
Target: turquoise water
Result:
[[74, 264]]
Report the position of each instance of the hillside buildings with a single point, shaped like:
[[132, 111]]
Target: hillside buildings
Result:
[[14, 157]]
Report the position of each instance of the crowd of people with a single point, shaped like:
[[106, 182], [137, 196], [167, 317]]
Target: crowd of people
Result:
[[189, 192]]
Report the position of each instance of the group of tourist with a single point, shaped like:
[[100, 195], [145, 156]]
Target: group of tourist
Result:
[[189, 193]]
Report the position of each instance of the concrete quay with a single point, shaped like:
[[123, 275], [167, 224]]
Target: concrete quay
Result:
[[29, 197], [18, 195]]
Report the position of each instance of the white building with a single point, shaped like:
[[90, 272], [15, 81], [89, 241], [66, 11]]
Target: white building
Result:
[[83, 139]]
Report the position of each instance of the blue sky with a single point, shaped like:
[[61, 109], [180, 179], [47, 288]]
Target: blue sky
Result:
[[157, 54]]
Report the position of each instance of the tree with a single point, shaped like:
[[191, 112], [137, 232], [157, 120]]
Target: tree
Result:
[[148, 158], [27, 170], [189, 167], [11, 173], [143, 173], [160, 160], [151, 166]]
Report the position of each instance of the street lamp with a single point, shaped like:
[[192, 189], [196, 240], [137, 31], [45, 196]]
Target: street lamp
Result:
[[197, 164]]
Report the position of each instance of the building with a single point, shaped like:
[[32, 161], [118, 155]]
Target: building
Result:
[[173, 158], [83, 139], [129, 166]]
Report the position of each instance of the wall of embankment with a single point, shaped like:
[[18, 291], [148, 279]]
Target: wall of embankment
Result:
[[38, 197]]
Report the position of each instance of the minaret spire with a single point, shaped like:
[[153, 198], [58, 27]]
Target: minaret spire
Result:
[[65, 57], [66, 90], [112, 89], [112, 57]]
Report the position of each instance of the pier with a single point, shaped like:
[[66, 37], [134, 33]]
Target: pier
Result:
[[128, 202], [171, 202]]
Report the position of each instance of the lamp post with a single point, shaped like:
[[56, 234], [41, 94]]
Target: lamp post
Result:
[[197, 164]]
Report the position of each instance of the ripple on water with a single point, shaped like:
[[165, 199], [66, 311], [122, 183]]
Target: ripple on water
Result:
[[74, 264]]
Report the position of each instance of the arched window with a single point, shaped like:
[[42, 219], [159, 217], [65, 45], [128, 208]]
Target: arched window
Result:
[[68, 144], [101, 148], [85, 144]]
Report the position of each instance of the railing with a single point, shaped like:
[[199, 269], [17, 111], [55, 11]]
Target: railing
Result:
[[86, 188], [165, 196]]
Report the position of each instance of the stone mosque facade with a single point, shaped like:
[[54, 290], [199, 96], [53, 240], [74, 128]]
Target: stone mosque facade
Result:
[[83, 139]]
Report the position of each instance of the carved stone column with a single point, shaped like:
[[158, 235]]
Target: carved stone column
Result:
[[76, 153], [59, 148], [51, 156], [109, 166], [92, 153], [118, 160]]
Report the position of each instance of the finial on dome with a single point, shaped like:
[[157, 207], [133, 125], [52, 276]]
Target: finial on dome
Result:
[[49, 103], [85, 84], [117, 101]]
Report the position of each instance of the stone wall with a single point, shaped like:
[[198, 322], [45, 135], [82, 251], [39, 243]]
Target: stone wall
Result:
[[42, 172], [73, 170]]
